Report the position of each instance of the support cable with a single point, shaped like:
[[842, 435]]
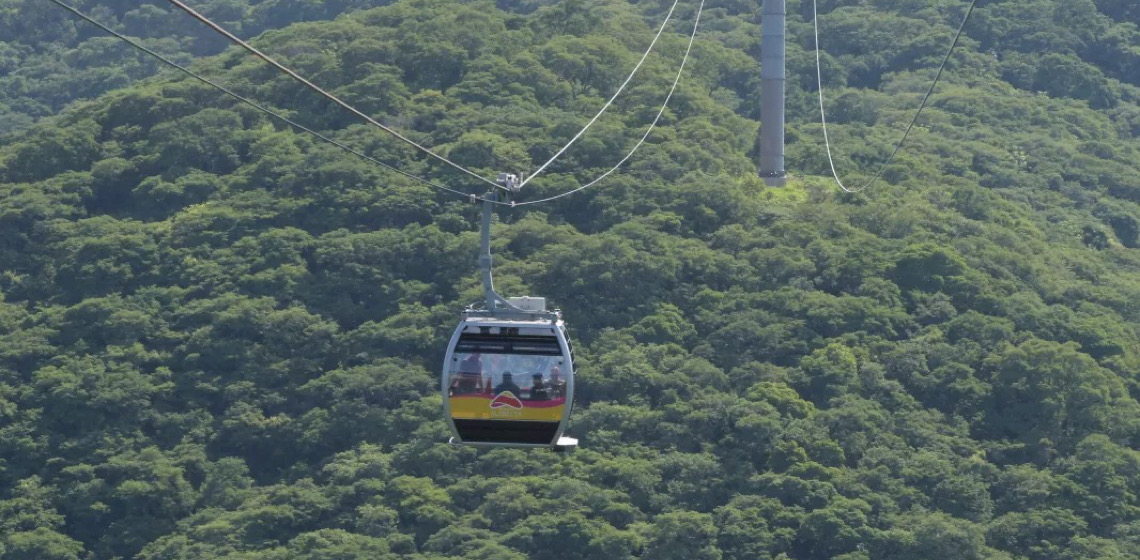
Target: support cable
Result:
[[660, 112], [608, 103], [257, 106], [238, 41], [921, 106], [365, 157]]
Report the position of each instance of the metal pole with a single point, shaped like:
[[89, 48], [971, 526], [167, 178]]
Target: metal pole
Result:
[[493, 301], [773, 77], [490, 297]]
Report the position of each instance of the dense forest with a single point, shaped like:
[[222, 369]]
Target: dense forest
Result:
[[220, 338]]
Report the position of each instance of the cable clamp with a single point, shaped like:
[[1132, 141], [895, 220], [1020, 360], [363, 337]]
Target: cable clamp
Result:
[[509, 181]]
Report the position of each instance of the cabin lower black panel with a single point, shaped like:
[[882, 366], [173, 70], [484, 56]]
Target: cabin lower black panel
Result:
[[506, 431]]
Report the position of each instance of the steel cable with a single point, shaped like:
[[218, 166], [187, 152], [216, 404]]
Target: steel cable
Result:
[[254, 104], [608, 103], [921, 106], [250, 48], [660, 112]]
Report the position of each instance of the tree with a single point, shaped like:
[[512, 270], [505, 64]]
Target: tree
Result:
[[828, 372], [572, 536], [1045, 388], [838, 528], [423, 506], [683, 534], [1036, 534], [40, 543]]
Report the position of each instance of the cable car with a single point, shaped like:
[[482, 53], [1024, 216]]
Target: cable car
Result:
[[510, 381], [508, 375]]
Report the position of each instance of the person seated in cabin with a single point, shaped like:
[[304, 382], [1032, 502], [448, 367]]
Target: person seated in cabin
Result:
[[470, 377], [473, 363], [538, 391], [508, 385], [557, 386]]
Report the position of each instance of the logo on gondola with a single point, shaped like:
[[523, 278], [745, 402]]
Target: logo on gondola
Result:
[[506, 399], [506, 404]]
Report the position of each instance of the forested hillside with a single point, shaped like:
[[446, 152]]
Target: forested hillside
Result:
[[47, 62], [221, 338]]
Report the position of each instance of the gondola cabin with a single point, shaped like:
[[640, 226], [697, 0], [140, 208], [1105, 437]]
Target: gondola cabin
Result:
[[508, 379]]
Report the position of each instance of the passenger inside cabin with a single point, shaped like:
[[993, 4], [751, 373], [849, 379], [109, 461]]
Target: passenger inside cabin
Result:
[[473, 363], [538, 391], [470, 377], [557, 386], [508, 385]]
